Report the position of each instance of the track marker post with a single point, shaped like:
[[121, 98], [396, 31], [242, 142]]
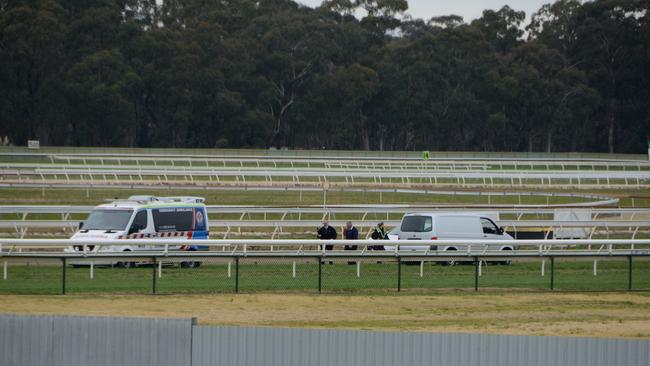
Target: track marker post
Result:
[[552, 273], [320, 273], [153, 275], [236, 275], [476, 270], [399, 274], [629, 273], [63, 268]]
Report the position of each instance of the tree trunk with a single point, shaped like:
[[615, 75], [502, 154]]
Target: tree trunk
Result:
[[365, 139], [365, 134], [610, 134]]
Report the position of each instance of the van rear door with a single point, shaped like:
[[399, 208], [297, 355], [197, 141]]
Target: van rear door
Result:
[[416, 227]]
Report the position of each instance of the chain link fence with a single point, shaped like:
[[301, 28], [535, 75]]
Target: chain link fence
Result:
[[314, 274]]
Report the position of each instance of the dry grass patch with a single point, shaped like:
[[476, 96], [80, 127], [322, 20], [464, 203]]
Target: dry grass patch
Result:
[[575, 314]]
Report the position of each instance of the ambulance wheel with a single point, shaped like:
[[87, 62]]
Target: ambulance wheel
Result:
[[125, 264], [191, 264]]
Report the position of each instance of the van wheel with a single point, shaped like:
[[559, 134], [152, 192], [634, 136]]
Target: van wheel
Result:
[[125, 264], [505, 263], [451, 262]]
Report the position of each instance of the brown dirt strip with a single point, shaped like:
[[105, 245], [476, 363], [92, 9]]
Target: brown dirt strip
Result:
[[615, 315]]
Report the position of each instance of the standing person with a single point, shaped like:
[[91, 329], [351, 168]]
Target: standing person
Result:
[[378, 234], [326, 232], [350, 233]]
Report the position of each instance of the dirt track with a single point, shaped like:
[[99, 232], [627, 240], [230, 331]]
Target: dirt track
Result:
[[592, 314]]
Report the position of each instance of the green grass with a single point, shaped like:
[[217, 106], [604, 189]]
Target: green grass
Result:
[[273, 275]]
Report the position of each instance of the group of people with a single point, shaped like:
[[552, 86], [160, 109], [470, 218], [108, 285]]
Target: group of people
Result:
[[327, 232]]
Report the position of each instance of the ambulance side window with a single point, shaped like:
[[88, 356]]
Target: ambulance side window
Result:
[[173, 219], [139, 222]]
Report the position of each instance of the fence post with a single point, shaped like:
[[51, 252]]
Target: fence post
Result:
[[552, 272], [320, 273], [63, 261], [236, 274], [153, 275], [629, 272], [399, 274], [476, 264]]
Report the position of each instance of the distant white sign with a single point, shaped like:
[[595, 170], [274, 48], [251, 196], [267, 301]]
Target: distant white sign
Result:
[[33, 144]]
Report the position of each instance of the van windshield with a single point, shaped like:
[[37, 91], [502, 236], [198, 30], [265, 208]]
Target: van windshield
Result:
[[417, 224], [107, 220]]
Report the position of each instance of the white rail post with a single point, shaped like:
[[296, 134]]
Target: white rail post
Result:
[[480, 268], [92, 270], [229, 269], [159, 269], [4, 270], [421, 268], [595, 267], [543, 264], [293, 273], [358, 269]]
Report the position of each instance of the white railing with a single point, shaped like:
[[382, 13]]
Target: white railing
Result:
[[280, 247], [345, 209], [93, 177], [283, 219], [454, 162]]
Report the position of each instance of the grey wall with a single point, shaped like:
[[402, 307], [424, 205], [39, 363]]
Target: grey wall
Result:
[[73, 341], [271, 347]]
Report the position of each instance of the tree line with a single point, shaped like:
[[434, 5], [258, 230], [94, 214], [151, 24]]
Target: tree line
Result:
[[350, 74]]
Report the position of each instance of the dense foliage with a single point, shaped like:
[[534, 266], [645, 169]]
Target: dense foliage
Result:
[[261, 73]]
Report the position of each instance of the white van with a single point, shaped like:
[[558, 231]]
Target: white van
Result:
[[140, 217], [441, 226]]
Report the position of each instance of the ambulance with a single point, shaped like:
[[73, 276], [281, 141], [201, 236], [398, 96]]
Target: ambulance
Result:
[[144, 217]]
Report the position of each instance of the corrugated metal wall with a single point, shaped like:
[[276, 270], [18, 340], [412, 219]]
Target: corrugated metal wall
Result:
[[71, 341], [283, 347]]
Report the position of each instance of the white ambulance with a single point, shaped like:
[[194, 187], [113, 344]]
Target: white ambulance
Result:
[[141, 217]]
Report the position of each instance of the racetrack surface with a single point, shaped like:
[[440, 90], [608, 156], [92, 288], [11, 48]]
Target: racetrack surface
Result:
[[566, 314]]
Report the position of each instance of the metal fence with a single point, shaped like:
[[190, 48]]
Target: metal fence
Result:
[[157, 266], [67, 341], [72, 341], [255, 273], [280, 347]]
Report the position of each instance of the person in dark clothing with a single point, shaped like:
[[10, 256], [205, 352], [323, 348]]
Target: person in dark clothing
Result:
[[350, 233], [378, 234], [326, 232]]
